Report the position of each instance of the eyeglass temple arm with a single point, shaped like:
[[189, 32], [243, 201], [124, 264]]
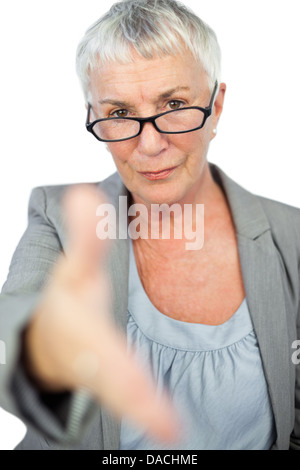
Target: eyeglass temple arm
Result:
[[87, 122], [209, 107]]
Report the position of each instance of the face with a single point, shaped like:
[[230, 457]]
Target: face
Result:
[[157, 168]]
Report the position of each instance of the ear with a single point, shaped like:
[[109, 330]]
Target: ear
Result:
[[218, 106]]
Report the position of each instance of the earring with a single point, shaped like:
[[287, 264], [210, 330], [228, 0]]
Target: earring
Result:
[[214, 131]]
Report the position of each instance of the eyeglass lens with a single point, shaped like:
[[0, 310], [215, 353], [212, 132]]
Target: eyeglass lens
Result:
[[177, 121]]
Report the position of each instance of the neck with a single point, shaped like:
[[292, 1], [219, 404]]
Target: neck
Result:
[[174, 226]]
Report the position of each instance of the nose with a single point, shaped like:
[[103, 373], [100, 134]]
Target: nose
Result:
[[151, 142]]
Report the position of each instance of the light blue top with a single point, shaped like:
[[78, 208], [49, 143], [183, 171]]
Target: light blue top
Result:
[[213, 373]]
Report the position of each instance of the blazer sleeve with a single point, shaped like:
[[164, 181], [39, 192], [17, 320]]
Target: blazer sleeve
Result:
[[59, 417]]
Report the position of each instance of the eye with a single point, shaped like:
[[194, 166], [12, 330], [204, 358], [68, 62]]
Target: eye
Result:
[[175, 104], [120, 113]]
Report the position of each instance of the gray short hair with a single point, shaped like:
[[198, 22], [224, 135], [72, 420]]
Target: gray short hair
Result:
[[153, 28]]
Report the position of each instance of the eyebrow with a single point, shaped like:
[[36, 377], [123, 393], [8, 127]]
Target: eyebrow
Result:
[[171, 92], [115, 103], [163, 96]]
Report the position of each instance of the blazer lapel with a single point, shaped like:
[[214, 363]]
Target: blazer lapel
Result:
[[262, 276]]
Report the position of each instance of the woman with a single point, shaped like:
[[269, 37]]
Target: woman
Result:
[[212, 328]]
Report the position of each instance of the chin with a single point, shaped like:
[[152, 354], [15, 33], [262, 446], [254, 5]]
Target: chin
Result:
[[170, 194]]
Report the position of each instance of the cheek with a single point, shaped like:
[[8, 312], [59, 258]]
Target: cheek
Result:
[[192, 146], [122, 155], [121, 151], [190, 140]]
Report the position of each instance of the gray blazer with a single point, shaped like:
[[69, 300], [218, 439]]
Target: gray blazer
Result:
[[268, 234]]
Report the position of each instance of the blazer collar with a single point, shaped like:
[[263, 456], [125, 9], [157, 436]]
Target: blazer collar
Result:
[[248, 216]]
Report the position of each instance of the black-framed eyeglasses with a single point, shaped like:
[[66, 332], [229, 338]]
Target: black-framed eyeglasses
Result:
[[178, 121]]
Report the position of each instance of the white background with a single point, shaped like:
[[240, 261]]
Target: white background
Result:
[[43, 139]]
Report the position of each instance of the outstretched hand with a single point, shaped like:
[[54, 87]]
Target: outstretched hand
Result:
[[71, 342]]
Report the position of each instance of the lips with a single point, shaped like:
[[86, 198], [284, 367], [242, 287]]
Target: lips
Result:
[[157, 175]]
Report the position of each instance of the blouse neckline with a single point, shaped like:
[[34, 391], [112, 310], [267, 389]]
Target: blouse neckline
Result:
[[179, 334]]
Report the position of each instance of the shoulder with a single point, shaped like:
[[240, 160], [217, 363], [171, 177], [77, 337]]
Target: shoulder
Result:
[[277, 209], [284, 226], [284, 219], [47, 200], [45, 210], [255, 214]]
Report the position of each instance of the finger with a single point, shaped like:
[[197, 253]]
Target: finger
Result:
[[122, 385], [154, 413]]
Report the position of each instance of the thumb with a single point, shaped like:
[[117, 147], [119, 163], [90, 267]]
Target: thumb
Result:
[[80, 207]]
